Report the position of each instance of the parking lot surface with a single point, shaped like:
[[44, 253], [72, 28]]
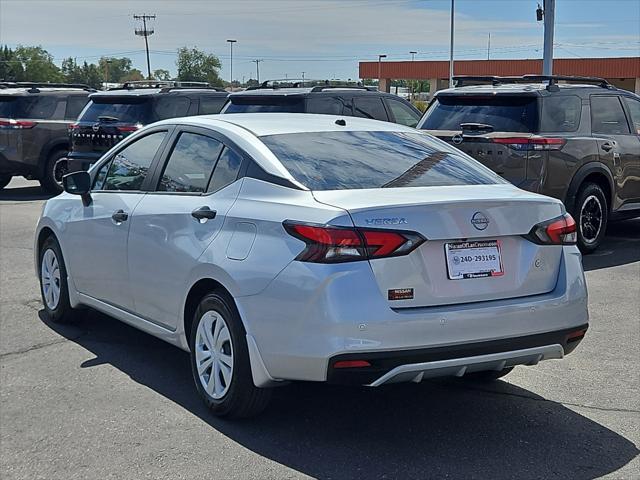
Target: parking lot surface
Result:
[[100, 399]]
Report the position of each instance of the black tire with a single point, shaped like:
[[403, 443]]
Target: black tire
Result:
[[4, 180], [53, 172], [591, 215], [487, 375], [62, 311], [242, 397]]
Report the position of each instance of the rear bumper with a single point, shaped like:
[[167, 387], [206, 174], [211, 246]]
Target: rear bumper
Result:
[[307, 319]]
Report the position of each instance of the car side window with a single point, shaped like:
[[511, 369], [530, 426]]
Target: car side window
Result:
[[402, 113], [211, 105], [130, 165], [634, 109], [38, 107], [369, 107], [226, 170], [75, 104], [607, 115], [171, 107], [190, 164], [561, 113], [323, 104]]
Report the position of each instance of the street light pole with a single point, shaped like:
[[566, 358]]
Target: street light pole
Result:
[[451, 48], [549, 11], [413, 57], [380, 57], [231, 42]]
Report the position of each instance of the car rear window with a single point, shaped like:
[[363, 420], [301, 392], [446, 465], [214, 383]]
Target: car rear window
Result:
[[503, 113], [561, 113], [365, 159], [123, 110], [279, 104], [35, 107]]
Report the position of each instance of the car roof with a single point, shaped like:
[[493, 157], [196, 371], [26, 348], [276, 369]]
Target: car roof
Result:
[[148, 92], [260, 124], [259, 92], [525, 88], [23, 91]]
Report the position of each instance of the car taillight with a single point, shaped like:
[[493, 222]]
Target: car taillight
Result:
[[327, 244], [16, 124], [531, 143], [129, 128], [557, 231]]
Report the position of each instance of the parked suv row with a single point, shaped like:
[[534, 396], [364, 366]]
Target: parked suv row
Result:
[[34, 122], [573, 138]]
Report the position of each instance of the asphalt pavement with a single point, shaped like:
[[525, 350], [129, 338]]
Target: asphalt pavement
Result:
[[101, 400]]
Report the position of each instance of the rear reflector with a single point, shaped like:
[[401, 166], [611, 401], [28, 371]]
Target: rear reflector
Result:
[[575, 336], [557, 231], [16, 124], [327, 244], [531, 143], [351, 364]]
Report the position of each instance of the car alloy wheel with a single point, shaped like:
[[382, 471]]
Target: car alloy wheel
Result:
[[214, 354], [50, 278], [60, 169], [590, 219]]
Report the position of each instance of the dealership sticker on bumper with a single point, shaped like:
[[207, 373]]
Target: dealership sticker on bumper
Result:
[[473, 259]]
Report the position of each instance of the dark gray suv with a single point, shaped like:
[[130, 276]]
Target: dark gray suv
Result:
[[34, 123], [573, 138]]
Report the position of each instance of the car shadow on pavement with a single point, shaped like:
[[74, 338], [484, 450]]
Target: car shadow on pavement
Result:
[[24, 194], [439, 429], [620, 247]]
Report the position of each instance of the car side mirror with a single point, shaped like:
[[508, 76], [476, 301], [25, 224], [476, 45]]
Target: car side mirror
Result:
[[78, 183]]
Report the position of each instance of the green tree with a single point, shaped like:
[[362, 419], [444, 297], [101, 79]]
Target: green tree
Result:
[[134, 75], [10, 68], [197, 66], [119, 68], [36, 65], [161, 74]]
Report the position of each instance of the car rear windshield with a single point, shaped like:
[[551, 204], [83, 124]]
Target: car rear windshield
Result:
[[122, 110], [34, 107], [503, 113], [280, 104], [365, 159]]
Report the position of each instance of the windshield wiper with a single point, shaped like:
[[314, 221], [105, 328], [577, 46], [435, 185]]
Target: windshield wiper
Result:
[[107, 118], [476, 126]]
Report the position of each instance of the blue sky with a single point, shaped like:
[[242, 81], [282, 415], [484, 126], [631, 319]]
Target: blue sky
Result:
[[323, 38]]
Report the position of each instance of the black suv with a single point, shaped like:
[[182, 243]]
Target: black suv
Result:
[[353, 101], [112, 115], [573, 138], [34, 120]]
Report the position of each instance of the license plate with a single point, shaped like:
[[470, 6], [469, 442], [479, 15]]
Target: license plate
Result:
[[473, 259]]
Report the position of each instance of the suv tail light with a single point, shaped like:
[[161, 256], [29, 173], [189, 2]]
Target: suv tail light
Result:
[[129, 128], [557, 231], [327, 244], [16, 124], [531, 143]]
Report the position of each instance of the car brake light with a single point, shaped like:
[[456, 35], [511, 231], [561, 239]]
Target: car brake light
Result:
[[557, 231], [531, 143], [129, 128], [351, 364], [327, 244], [16, 124]]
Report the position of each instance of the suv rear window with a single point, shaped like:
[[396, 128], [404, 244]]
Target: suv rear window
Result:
[[363, 159], [278, 104], [35, 107], [561, 113], [503, 113], [124, 110]]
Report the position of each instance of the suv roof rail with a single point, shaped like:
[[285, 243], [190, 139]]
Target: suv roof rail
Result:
[[36, 85], [166, 85], [530, 78], [321, 88], [315, 85]]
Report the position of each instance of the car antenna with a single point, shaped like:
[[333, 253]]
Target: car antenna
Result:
[[341, 122]]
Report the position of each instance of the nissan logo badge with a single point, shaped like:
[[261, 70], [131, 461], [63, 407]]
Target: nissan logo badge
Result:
[[479, 221], [457, 139], [96, 127]]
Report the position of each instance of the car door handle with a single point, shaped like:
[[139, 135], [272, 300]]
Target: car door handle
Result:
[[119, 216], [606, 147], [203, 214]]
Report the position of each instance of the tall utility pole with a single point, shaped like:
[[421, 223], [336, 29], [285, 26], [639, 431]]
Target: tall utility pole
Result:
[[547, 12], [413, 55], [303, 78], [489, 47], [257, 62], [380, 57], [231, 42], [145, 32], [451, 48]]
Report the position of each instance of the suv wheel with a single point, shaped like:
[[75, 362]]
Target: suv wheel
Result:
[[4, 180], [591, 216], [54, 170], [220, 360]]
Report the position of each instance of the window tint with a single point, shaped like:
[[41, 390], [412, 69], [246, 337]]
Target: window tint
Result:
[[171, 107], [226, 171], [354, 160], [130, 166], [36, 107], [126, 110], [211, 105], [607, 115], [75, 104], [561, 113], [190, 164], [325, 105], [634, 108], [278, 104], [369, 107], [503, 113], [402, 113]]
